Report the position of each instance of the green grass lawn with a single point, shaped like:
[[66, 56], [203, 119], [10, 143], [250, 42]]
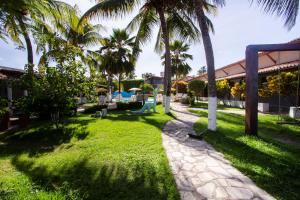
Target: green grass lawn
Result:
[[204, 105], [120, 157], [270, 163]]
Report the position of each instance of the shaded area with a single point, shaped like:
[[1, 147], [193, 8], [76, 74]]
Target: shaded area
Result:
[[42, 137], [274, 166], [84, 180]]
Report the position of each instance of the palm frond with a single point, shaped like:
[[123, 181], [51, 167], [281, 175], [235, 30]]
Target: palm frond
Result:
[[288, 9]]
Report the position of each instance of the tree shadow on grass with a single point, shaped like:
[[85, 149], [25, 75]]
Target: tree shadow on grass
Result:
[[108, 180], [43, 137], [273, 166]]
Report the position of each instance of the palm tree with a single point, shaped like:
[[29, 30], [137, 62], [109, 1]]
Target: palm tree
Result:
[[179, 55], [151, 13], [70, 34], [197, 9], [288, 9], [117, 54], [18, 16]]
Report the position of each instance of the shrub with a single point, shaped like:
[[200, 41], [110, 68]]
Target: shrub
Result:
[[3, 107], [285, 82], [147, 88], [180, 86], [239, 90], [52, 95], [196, 87], [223, 88]]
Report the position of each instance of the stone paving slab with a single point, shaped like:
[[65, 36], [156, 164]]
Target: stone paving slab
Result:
[[199, 170]]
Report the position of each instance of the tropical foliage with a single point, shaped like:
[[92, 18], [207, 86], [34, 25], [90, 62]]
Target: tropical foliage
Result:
[[285, 83], [180, 86], [238, 90], [197, 87], [179, 56], [116, 55], [3, 107], [223, 88], [152, 13]]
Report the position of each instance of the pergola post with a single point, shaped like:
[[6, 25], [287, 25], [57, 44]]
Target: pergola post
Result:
[[251, 90]]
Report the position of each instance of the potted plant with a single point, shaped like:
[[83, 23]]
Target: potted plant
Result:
[[4, 114]]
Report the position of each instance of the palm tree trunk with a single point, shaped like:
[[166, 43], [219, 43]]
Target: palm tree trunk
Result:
[[28, 45], [119, 87], [167, 78], [212, 94]]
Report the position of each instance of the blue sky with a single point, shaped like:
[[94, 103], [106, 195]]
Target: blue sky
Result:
[[237, 25]]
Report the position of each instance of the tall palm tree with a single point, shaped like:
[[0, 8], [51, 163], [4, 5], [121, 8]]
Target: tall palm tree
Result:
[[179, 56], [151, 13], [198, 9], [117, 51]]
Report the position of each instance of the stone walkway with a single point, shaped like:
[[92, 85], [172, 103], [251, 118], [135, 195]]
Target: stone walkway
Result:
[[200, 171]]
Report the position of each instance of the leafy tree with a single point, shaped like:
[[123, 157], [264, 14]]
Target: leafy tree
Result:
[[196, 87], [147, 88], [202, 70], [223, 88], [147, 75], [286, 83], [181, 86], [239, 90]]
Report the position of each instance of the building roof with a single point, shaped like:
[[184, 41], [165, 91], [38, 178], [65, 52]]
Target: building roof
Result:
[[268, 62], [8, 72]]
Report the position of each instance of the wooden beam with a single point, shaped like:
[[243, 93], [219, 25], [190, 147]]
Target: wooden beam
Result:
[[271, 58], [242, 66], [225, 72]]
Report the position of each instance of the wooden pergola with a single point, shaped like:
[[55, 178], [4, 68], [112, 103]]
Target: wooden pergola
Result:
[[252, 62]]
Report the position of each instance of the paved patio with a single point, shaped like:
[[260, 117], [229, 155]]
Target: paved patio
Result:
[[200, 171]]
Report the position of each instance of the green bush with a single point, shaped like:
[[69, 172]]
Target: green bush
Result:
[[3, 107], [196, 87], [147, 88], [52, 95], [129, 105]]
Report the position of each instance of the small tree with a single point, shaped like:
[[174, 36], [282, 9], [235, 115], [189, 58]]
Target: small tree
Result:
[[180, 86], [286, 83], [223, 88], [147, 88], [238, 91], [196, 87]]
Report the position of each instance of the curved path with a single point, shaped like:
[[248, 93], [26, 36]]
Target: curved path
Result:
[[199, 170]]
